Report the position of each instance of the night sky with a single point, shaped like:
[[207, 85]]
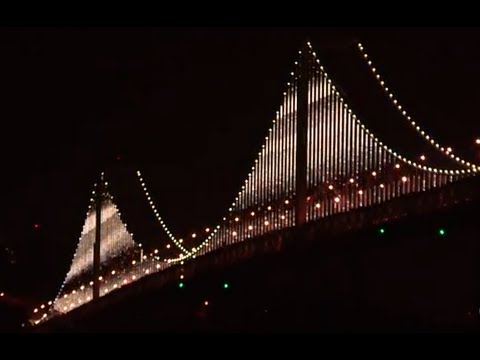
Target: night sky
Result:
[[189, 108]]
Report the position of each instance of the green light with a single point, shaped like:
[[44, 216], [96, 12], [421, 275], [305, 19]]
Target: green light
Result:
[[180, 285], [441, 232], [382, 231], [225, 286]]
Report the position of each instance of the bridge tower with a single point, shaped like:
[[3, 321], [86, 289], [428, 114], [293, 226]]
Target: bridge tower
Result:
[[96, 247], [302, 82]]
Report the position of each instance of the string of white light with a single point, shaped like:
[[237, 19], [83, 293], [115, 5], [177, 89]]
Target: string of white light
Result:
[[400, 108], [177, 243], [388, 149]]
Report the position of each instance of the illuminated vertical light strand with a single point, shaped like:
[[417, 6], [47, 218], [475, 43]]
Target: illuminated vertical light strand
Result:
[[274, 162], [334, 157], [352, 194], [294, 146], [316, 149], [325, 141], [312, 136], [324, 147], [345, 175], [279, 156], [328, 143], [334, 140], [263, 186], [262, 176], [377, 163], [282, 157], [289, 141], [377, 154], [339, 151], [371, 152], [270, 173], [314, 146], [331, 141], [286, 151], [281, 161], [289, 164], [256, 190], [317, 142], [327, 138]]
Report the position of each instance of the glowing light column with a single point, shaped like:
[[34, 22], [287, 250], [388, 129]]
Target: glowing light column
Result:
[[302, 83], [96, 246]]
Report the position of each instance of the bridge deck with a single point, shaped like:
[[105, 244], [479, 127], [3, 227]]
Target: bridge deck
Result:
[[327, 234]]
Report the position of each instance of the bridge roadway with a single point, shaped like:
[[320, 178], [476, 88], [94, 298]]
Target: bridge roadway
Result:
[[329, 234]]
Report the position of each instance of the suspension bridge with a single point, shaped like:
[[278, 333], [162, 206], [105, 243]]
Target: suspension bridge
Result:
[[320, 170]]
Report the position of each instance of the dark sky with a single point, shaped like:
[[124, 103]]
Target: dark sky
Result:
[[188, 107]]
